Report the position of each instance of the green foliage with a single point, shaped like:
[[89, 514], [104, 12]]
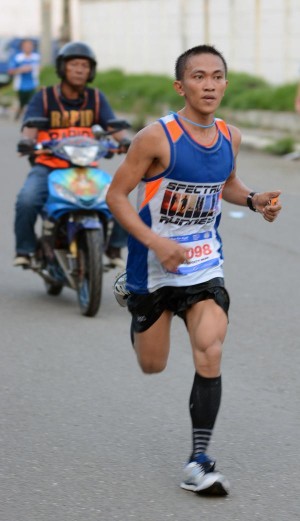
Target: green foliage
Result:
[[282, 146], [240, 85], [148, 94], [284, 98], [48, 76], [246, 92], [263, 98], [136, 93]]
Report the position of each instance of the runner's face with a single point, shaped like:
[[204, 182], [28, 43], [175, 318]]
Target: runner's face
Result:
[[77, 71], [27, 47], [203, 84]]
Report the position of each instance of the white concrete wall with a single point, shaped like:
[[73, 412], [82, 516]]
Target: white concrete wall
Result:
[[18, 21], [22, 18], [256, 36], [261, 37]]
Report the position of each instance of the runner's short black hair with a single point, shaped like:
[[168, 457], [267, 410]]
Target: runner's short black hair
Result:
[[199, 49]]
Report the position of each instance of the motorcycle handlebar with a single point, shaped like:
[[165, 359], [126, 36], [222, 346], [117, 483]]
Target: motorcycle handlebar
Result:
[[25, 146], [29, 147]]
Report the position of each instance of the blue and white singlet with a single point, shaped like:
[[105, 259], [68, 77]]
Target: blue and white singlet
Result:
[[183, 203]]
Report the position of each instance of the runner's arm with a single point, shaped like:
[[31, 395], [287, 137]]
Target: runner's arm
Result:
[[133, 168], [236, 192], [147, 147]]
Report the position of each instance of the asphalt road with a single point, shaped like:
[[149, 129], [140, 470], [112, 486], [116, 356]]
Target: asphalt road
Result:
[[85, 436]]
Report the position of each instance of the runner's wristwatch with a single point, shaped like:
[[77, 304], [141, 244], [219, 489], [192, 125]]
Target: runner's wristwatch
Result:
[[250, 201]]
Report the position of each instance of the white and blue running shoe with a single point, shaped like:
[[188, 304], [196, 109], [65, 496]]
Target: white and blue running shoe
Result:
[[120, 292], [199, 476]]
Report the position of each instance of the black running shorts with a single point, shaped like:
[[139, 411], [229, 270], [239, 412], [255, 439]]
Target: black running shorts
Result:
[[146, 309], [25, 96]]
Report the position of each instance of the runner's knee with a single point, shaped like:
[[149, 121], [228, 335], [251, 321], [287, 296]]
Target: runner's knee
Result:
[[150, 366], [151, 358]]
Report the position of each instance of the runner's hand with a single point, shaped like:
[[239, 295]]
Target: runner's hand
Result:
[[169, 253], [268, 204]]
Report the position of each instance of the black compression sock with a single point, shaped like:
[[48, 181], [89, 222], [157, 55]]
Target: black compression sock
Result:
[[205, 401]]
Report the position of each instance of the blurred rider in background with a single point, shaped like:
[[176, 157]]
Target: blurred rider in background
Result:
[[72, 109]]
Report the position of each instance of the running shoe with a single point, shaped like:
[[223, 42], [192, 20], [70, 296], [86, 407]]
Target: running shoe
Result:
[[120, 291], [200, 476], [21, 260]]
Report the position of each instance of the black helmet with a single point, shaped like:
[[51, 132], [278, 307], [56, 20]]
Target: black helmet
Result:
[[75, 50]]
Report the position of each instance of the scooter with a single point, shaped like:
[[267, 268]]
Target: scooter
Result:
[[75, 219]]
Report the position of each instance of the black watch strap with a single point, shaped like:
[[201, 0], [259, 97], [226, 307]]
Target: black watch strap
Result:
[[250, 201]]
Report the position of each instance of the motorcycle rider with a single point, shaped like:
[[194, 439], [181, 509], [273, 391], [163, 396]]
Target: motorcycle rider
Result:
[[72, 109]]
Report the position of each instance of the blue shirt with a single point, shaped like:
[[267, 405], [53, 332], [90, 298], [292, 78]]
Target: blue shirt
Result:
[[25, 81]]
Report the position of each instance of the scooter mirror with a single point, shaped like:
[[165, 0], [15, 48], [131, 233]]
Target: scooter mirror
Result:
[[98, 131]]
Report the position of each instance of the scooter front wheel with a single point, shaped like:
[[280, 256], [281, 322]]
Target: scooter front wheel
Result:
[[90, 245]]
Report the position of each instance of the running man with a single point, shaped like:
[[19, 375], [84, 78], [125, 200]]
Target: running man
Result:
[[24, 67], [175, 262]]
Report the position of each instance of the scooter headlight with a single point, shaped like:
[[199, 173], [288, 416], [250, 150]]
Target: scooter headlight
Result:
[[81, 156]]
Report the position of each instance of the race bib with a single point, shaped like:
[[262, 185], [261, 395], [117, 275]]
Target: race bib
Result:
[[201, 252]]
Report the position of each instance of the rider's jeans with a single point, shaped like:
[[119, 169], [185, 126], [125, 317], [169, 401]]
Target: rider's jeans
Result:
[[30, 202], [118, 237]]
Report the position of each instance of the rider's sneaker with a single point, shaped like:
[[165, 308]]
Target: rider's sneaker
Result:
[[199, 476], [120, 291], [114, 256], [22, 260]]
